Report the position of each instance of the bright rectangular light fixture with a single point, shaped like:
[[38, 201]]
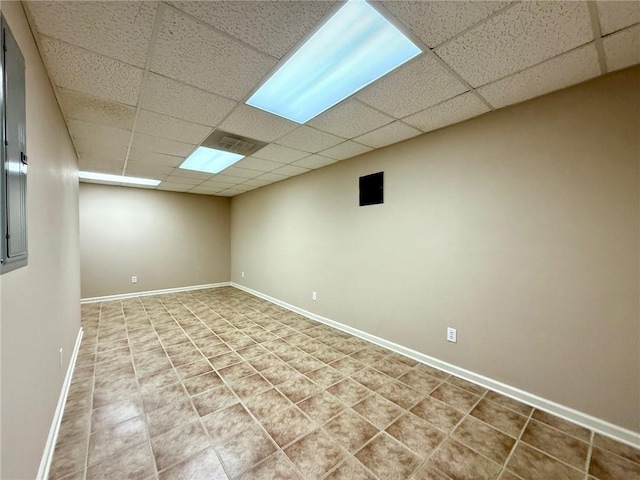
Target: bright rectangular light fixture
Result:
[[210, 160], [106, 177], [355, 47]]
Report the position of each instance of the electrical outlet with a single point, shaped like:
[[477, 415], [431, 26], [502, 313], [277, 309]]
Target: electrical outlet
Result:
[[134, 279], [242, 275], [452, 335], [60, 358], [314, 296]]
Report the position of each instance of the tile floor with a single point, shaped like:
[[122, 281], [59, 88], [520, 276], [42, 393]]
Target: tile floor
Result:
[[218, 384]]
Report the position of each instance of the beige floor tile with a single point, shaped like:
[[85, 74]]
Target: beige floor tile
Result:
[[315, 454], [387, 458], [350, 430]]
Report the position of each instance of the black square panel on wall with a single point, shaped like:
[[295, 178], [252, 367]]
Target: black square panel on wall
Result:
[[372, 189]]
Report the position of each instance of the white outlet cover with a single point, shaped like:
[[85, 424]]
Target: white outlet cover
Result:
[[314, 296], [452, 335]]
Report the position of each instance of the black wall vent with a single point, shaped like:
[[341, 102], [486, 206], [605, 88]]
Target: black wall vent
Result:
[[372, 189]]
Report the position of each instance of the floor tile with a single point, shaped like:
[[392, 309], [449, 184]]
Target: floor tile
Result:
[[298, 388], [618, 448], [349, 391], [249, 386], [438, 414], [321, 407], [499, 417], [241, 451], [288, 425], [569, 428], [428, 471], [387, 458], [106, 442], [68, 458], [557, 444], [484, 439], [456, 397], [178, 444], [462, 463], [274, 467], [201, 383], [213, 400], [267, 403], [325, 376], [378, 410], [133, 463], [420, 381], [350, 469], [164, 419], [315, 454], [416, 434], [400, 394], [507, 402], [154, 399], [532, 464], [608, 466], [350, 430]]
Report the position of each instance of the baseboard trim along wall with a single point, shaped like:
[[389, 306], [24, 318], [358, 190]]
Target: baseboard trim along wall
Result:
[[49, 447], [123, 296], [600, 426]]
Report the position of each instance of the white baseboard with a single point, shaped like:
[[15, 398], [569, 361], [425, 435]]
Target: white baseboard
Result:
[[49, 447], [603, 427], [122, 296]]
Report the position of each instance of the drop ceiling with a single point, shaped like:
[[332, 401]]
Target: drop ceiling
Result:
[[141, 84]]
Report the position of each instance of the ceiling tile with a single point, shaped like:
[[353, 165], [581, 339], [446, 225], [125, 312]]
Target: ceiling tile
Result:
[[622, 49], [183, 180], [314, 161], [99, 134], [154, 158], [206, 190], [78, 69], [161, 145], [80, 106], [257, 124], [183, 172], [257, 182], [568, 69], [100, 166], [350, 119], [435, 22], [616, 15], [120, 30], [191, 52], [214, 184], [272, 27], [224, 178], [450, 111], [172, 128], [345, 150], [290, 171], [174, 187], [387, 135], [517, 38], [148, 170], [278, 153], [244, 173], [420, 84], [309, 139], [258, 164], [88, 149], [271, 177], [165, 95], [228, 193]]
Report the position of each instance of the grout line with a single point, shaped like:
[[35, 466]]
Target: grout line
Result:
[[589, 454], [515, 445]]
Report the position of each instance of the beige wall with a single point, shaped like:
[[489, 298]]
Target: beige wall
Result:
[[40, 302], [167, 239], [519, 228]]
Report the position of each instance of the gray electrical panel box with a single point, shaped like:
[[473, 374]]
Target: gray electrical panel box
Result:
[[13, 184]]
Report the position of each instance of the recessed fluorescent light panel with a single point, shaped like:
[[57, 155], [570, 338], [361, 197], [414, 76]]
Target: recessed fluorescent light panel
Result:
[[105, 177], [355, 47], [210, 160]]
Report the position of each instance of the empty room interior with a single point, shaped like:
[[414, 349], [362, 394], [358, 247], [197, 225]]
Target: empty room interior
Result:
[[320, 240]]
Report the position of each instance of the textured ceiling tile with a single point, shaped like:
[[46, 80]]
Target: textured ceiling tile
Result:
[[174, 187], [103, 166], [272, 27], [314, 161], [415, 86], [120, 30], [310, 140], [161, 145], [290, 171], [257, 124], [451, 111], [230, 179], [218, 184], [183, 172], [387, 135], [154, 158], [88, 149], [206, 190], [517, 38], [258, 164], [77, 69], [278, 153], [99, 134], [435, 22], [183, 180], [271, 177], [235, 171], [568, 69], [622, 49], [350, 119], [615, 15], [172, 128], [164, 95], [148, 170], [80, 106], [195, 54], [345, 150], [258, 182]]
